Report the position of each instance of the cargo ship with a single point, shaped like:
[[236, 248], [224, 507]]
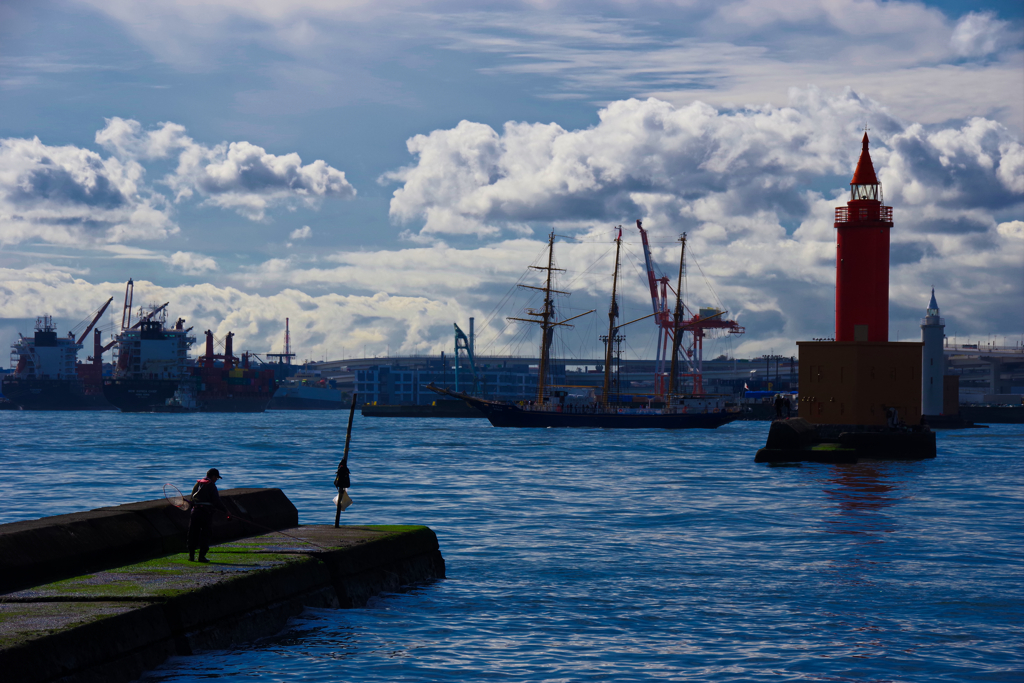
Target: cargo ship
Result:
[[157, 377], [153, 372], [47, 374], [556, 407]]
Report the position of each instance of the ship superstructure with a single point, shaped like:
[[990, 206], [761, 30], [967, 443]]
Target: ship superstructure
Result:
[[151, 350], [47, 374], [151, 360], [44, 355]]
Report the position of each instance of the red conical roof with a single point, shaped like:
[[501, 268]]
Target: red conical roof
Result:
[[865, 173]]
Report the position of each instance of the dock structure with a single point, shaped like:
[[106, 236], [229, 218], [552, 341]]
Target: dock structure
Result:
[[122, 617]]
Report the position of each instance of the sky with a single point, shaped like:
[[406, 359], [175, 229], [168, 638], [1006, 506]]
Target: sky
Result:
[[377, 171]]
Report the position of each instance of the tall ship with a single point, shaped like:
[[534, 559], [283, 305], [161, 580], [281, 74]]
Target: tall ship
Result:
[[153, 372], [47, 375], [563, 407]]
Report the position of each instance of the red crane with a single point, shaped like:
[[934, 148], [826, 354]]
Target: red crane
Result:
[[95, 318], [696, 324]]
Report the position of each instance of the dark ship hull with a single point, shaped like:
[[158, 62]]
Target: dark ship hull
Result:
[[506, 415], [502, 414], [53, 394], [158, 396], [445, 409], [139, 395], [232, 404]]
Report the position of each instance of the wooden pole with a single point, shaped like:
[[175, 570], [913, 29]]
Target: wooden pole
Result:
[[344, 463]]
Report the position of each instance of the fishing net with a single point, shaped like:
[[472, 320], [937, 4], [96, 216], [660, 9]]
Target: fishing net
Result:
[[345, 500], [174, 497]]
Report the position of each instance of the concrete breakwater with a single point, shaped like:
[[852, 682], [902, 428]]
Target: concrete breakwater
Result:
[[117, 619]]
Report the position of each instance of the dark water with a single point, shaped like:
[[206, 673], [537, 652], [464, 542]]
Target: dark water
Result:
[[587, 555]]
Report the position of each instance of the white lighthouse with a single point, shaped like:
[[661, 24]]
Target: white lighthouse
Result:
[[932, 361]]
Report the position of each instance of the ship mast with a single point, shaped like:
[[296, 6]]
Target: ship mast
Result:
[[546, 328], [613, 313], [677, 332], [547, 318]]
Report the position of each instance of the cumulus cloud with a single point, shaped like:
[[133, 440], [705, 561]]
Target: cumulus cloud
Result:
[[191, 263], [303, 233], [239, 176], [978, 34], [71, 195], [696, 165], [473, 179]]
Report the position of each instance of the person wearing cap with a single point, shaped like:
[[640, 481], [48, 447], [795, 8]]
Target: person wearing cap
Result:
[[205, 499]]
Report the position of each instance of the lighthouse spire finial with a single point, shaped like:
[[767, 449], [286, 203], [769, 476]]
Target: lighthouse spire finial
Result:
[[865, 173]]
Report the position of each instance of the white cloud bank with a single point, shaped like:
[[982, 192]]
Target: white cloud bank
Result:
[[67, 195], [238, 175], [320, 325], [755, 189], [71, 195]]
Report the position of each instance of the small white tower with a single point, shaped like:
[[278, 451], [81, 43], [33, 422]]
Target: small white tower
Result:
[[933, 363]]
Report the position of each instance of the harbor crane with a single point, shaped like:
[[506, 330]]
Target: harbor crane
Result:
[[464, 343], [683, 322]]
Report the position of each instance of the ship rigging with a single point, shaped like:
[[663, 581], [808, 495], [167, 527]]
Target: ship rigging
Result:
[[554, 408]]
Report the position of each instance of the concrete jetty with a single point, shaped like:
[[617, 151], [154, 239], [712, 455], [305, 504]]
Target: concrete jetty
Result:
[[94, 615]]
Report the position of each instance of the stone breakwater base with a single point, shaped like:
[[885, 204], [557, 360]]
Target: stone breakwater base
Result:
[[114, 623], [797, 440]]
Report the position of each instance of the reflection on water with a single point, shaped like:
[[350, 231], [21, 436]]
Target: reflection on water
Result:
[[858, 504], [857, 498]]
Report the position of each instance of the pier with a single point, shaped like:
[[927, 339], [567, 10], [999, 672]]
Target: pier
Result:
[[107, 594]]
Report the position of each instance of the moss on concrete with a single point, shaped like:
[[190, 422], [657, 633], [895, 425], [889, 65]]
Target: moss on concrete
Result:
[[159, 578], [24, 622], [130, 618]]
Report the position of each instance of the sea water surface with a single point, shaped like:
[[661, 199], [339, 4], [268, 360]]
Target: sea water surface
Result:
[[593, 555]]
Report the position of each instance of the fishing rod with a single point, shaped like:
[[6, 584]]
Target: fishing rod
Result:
[[278, 531], [174, 497]]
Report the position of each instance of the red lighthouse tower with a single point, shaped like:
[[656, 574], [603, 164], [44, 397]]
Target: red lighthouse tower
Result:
[[861, 377], [862, 258], [860, 395]]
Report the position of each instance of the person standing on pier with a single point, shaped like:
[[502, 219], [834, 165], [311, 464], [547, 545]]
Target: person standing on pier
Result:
[[205, 498]]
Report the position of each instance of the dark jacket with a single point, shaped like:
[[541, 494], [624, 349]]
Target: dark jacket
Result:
[[205, 496]]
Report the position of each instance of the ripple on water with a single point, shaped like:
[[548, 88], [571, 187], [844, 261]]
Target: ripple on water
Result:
[[592, 555]]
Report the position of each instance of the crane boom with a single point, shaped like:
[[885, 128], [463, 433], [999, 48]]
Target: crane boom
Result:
[[652, 279], [146, 316], [95, 318]]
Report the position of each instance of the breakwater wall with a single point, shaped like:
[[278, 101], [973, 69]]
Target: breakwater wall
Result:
[[115, 623], [40, 550]]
